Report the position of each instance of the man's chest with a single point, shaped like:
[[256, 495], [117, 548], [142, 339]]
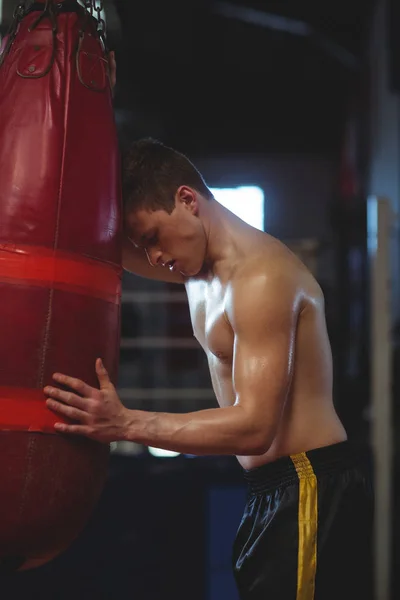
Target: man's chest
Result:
[[208, 303]]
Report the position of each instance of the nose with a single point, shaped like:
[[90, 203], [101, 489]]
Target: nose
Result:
[[154, 257]]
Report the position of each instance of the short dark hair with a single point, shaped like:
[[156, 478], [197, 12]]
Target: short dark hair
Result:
[[152, 173]]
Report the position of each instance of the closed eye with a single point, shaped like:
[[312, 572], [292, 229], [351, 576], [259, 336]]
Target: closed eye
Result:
[[152, 241]]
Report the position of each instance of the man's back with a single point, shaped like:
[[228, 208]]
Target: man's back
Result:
[[309, 418]]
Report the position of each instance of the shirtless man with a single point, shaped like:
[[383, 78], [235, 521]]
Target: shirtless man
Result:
[[259, 315]]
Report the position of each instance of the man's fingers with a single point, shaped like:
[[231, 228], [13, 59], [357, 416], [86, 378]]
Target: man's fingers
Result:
[[73, 429], [75, 384], [68, 398], [102, 374], [67, 411]]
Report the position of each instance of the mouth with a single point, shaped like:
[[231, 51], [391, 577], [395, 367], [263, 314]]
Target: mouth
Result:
[[170, 265]]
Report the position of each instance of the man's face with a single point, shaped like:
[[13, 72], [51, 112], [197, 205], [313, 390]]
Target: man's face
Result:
[[176, 241]]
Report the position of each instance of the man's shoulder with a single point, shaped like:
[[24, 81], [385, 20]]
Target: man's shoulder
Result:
[[271, 264], [272, 277], [255, 288]]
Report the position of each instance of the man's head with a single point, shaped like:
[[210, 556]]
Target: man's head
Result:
[[162, 191]]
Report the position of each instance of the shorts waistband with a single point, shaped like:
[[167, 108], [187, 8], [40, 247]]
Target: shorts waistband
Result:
[[319, 461]]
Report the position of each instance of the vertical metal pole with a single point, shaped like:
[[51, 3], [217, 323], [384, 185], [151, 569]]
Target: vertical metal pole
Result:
[[1, 16], [379, 218], [7, 8]]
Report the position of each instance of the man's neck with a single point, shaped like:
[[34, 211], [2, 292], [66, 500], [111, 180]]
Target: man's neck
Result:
[[219, 229]]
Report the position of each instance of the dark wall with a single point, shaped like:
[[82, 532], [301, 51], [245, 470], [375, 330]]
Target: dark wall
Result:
[[298, 189]]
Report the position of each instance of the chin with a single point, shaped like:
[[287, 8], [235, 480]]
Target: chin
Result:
[[190, 272]]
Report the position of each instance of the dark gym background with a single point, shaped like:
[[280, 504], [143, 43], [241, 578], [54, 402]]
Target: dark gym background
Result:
[[301, 99]]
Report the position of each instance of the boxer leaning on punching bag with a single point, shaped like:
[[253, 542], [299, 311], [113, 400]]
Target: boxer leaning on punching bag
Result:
[[60, 268]]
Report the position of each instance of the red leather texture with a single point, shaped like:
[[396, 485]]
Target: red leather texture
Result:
[[60, 272]]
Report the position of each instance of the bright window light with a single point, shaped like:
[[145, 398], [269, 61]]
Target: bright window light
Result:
[[159, 452], [246, 202]]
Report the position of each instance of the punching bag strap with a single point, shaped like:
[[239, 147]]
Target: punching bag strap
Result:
[[91, 58], [25, 69], [48, 12]]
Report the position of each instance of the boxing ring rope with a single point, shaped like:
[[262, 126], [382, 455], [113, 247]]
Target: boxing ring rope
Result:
[[379, 219], [162, 296], [178, 394], [159, 342]]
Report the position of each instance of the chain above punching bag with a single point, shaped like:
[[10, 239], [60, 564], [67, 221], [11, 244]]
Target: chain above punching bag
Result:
[[97, 6]]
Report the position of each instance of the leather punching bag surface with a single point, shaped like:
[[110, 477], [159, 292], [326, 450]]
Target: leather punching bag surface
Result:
[[60, 270]]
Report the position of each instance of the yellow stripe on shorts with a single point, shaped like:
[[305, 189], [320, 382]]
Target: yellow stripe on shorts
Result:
[[308, 526]]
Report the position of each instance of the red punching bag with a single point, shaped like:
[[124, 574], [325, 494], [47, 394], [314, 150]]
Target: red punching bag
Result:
[[60, 269]]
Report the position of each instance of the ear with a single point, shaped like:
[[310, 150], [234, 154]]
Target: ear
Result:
[[187, 196]]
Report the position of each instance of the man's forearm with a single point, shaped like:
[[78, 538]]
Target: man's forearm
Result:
[[225, 430]]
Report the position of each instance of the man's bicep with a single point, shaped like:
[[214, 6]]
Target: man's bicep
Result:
[[262, 366], [264, 326]]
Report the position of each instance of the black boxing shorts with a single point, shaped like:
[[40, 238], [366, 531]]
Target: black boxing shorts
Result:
[[306, 533]]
